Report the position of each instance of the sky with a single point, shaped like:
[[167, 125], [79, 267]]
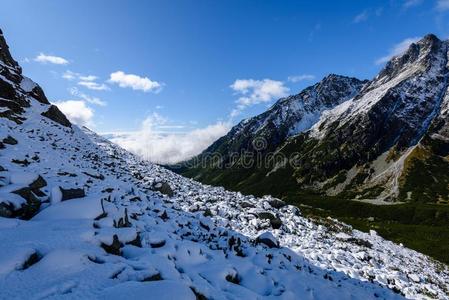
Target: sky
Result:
[[167, 78]]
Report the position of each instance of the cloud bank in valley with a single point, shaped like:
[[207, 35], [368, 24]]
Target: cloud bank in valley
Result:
[[152, 144]]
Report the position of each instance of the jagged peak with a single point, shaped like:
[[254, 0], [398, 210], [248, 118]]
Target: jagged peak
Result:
[[5, 55]]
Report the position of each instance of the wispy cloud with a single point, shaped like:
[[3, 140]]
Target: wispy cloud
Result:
[[253, 92], [443, 5], [92, 85], [411, 3], [87, 81], [361, 17], [93, 100], [77, 112], [57, 60], [159, 147], [135, 82], [298, 78], [397, 49]]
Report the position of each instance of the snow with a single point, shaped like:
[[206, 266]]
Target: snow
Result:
[[27, 84]]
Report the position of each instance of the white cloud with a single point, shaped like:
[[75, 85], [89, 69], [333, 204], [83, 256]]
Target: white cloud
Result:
[[88, 81], [69, 75], [135, 82], [88, 78], [258, 91], [168, 148], [57, 60], [93, 100], [77, 112], [443, 5], [298, 78], [361, 17], [397, 49], [92, 85]]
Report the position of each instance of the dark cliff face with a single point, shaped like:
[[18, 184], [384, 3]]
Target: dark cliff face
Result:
[[404, 108], [16, 90]]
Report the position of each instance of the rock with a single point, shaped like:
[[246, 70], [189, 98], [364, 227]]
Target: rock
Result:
[[38, 183], [164, 188], [10, 140], [276, 203], [96, 176], [267, 239], [31, 207], [136, 242], [6, 210], [157, 243], [155, 277], [114, 248], [266, 215], [54, 114], [275, 222], [246, 204], [31, 260], [68, 194]]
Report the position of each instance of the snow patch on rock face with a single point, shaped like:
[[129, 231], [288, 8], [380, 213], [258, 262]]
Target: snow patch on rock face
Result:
[[27, 85]]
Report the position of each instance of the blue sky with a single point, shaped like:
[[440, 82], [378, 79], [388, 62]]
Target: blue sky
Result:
[[174, 64]]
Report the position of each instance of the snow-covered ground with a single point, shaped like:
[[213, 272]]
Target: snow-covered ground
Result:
[[123, 238]]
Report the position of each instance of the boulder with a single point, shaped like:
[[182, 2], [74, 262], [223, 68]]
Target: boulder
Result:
[[163, 188], [30, 208], [267, 239], [68, 194], [54, 114], [38, 183], [9, 140], [276, 203], [275, 222], [114, 248]]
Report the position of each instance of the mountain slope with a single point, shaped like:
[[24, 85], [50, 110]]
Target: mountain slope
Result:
[[372, 147], [82, 218]]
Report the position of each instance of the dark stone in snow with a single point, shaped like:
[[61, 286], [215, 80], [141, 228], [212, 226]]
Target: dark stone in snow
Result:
[[30, 208], [158, 244], [275, 222], [163, 188], [267, 239], [276, 203], [54, 114], [68, 194], [10, 140], [113, 248], [38, 183]]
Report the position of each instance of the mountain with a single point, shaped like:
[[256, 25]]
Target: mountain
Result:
[[82, 218], [377, 141]]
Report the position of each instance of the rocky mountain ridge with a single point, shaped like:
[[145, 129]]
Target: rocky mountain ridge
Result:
[[370, 145]]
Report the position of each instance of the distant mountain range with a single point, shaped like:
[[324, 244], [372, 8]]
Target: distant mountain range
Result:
[[380, 141]]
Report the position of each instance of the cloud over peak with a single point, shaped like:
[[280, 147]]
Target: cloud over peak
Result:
[[397, 49], [135, 82]]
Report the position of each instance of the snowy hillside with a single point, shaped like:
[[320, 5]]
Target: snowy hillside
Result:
[[83, 218]]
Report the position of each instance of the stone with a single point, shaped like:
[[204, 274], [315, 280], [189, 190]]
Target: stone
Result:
[[54, 114], [267, 239], [68, 194], [276, 203], [164, 188], [10, 140]]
